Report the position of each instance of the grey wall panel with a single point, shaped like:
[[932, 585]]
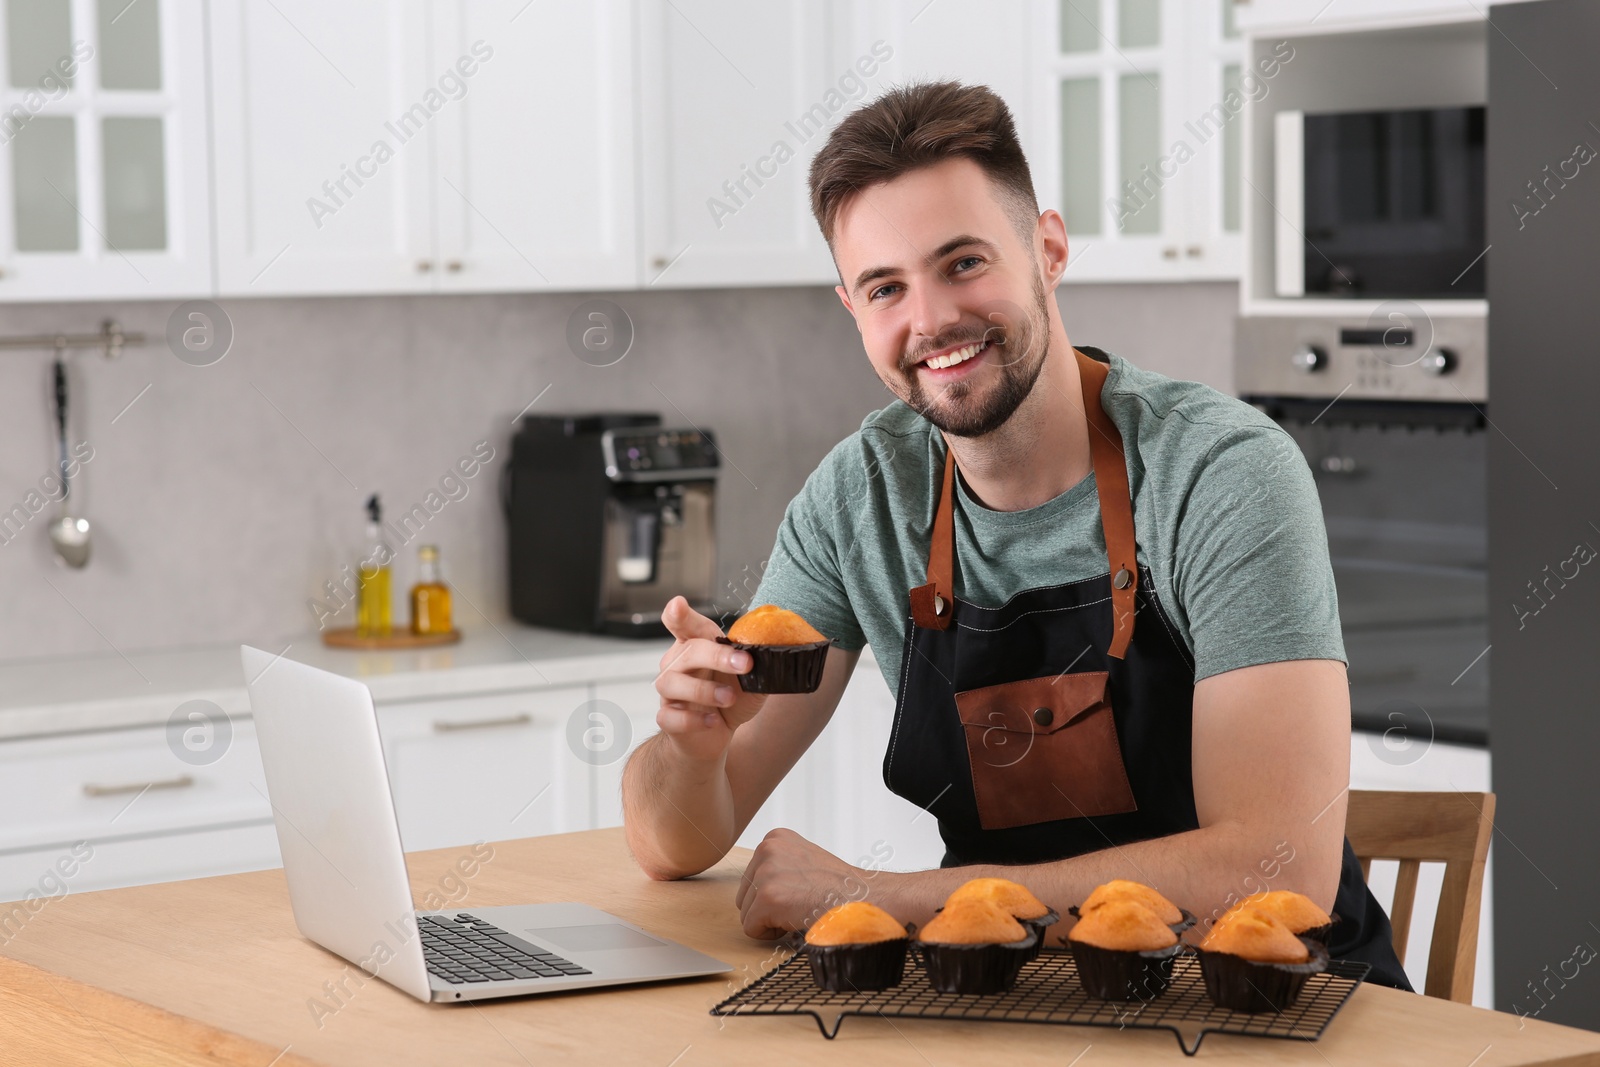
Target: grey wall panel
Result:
[[1544, 504]]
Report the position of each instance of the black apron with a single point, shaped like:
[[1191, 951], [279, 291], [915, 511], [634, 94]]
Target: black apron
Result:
[[1051, 726]]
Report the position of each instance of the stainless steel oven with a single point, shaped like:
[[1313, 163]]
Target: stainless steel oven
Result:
[[1391, 421]]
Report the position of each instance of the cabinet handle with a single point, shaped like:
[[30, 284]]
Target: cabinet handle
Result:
[[1195, 251], [445, 726], [183, 781], [453, 265], [424, 266], [658, 262], [1169, 253]]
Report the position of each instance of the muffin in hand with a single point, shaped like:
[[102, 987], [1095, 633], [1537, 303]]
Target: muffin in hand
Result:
[[787, 653]]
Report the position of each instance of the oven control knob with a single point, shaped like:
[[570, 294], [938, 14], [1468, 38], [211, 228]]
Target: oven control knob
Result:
[[1439, 361], [1310, 358]]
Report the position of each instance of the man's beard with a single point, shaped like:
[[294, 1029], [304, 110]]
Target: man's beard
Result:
[[1025, 343]]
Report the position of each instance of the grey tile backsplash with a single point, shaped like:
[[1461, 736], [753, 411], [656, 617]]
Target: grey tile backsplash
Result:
[[224, 497]]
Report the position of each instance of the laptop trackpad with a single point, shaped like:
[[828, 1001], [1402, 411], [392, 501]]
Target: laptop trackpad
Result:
[[595, 938]]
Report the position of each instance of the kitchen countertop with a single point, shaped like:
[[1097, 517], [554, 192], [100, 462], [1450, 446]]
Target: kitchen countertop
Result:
[[75, 693], [214, 971]]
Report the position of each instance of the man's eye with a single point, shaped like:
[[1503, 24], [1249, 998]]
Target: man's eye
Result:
[[965, 259], [882, 290]]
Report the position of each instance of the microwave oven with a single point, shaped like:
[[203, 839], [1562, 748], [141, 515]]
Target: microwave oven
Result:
[[1385, 204]]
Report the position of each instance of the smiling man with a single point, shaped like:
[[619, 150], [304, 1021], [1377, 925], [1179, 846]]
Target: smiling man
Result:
[[1101, 596]]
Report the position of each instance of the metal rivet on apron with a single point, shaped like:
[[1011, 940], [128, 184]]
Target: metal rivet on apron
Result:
[[1122, 579], [1043, 716], [938, 604]]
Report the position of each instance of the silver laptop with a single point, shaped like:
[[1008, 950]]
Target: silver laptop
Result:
[[346, 869]]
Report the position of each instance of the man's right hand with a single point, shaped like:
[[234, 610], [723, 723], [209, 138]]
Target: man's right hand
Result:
[[701, 701]]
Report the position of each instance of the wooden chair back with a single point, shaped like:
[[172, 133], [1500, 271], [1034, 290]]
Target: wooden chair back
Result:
[[1452, 828]]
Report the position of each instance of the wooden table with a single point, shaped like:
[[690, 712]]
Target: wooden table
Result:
[[213, 971]]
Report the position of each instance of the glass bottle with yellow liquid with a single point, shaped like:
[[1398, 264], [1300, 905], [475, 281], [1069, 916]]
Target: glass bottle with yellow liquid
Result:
[[373, 601], [430, 597]]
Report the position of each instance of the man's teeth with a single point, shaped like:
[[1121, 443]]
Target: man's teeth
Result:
[[960, 355]]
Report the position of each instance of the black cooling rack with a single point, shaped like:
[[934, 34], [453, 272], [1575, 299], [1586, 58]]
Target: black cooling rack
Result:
[[1048, 991]]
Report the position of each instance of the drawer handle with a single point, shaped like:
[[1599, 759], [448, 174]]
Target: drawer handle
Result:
[[183, 781], [444, 726]]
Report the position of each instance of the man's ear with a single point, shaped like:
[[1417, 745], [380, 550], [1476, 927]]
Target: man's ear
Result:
[[844, 298], [1050, 239]]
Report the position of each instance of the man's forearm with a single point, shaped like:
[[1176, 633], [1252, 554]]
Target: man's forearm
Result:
[[678, 814], [1203, 870]]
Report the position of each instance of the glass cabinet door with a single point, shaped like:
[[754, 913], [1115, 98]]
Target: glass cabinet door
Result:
[[102, 180], [1123, 85]]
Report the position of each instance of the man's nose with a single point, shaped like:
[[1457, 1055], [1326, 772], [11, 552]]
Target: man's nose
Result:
[[933, 305]]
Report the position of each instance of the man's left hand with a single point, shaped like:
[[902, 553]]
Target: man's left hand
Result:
[[790, 882]]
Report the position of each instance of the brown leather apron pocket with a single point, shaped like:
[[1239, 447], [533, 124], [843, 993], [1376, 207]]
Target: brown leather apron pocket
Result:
[[1044, 749]]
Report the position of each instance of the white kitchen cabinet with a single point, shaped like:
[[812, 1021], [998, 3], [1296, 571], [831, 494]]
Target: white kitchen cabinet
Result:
[[1137, 117], [145, 814], [735, 99], [103, 148], [1291, 16], [323, 129], [836, 797], [485, 768], [636, 701], [535, 176]]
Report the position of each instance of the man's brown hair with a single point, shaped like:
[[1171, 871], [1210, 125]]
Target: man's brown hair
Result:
[[915, 126]]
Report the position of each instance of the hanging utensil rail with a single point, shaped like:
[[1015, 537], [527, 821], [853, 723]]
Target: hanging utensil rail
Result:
[[112, 338]]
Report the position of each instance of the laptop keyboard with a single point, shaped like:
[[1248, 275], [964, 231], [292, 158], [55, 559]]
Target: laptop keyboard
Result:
[[467, 949]]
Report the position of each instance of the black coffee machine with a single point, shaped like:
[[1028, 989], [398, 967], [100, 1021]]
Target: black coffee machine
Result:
[[611, 516]]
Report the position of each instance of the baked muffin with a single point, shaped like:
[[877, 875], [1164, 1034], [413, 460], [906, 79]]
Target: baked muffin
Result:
[[787, 652], [974, 946], [1122, 889], [1014, 899], [856, 946], [1294, 910], [1252, 962], [1123, 950]]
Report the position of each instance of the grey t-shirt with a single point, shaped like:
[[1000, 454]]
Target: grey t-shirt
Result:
[[1225, 515]]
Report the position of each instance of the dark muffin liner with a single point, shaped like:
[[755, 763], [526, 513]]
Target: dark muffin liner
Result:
[[1037, 927], [782, 668], [1034, 926], [1178, 927], [977, 969], [1323, 932], [1118, 974], [1243, 985], [853, 968]]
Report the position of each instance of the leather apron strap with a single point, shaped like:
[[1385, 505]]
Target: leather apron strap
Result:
[[931, 603]]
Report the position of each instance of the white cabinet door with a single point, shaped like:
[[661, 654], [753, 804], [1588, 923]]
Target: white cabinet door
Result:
[[324, 123], [871, 827], [608, 744], [978, 44], [103, 149], [127, 783], [485, 768], [42, 874], [536, 167], [735, 100], [1133, 150]]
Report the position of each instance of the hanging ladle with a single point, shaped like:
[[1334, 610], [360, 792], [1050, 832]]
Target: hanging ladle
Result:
[[68, 535]]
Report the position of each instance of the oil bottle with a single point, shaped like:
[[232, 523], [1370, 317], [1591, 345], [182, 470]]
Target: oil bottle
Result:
[[373, 611], [430, 597]]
